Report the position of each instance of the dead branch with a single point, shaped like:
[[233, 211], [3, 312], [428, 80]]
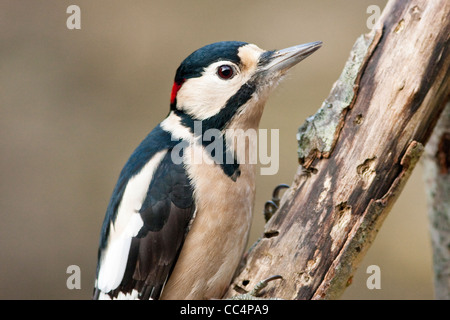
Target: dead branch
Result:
[[356, 154]]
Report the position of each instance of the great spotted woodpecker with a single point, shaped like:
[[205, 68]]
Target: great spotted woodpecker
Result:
[[177, 228]]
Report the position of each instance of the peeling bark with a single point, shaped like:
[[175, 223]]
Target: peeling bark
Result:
[[357, 153], [318, 135]]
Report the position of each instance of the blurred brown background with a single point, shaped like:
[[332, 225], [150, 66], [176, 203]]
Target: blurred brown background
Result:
[[75, 103]]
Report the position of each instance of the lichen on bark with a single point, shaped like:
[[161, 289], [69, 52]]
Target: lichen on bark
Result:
[[316, 137]]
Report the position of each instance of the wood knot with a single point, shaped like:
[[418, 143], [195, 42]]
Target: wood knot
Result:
[[415, 13], [400, 26], [366, 171], [358, 119]]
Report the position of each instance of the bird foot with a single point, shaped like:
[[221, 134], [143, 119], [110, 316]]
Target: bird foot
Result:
[[271, 206], [256, 291]]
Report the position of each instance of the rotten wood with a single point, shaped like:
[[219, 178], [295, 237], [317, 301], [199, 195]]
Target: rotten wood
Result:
[[365, 140]]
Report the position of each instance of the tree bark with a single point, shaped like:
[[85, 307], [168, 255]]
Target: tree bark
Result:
[[437, 182], [356, 154]]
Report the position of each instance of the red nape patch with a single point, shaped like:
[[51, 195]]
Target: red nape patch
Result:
[[175, 88]]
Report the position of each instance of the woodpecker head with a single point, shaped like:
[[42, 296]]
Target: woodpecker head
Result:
[[221, 80]]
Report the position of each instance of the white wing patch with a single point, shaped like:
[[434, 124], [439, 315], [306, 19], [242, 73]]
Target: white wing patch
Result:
[[126, 226], [134, 295]]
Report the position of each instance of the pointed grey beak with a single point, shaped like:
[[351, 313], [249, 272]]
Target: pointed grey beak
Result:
[[282, 60]]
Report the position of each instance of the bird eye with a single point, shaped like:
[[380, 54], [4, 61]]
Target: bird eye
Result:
[[225, 72]]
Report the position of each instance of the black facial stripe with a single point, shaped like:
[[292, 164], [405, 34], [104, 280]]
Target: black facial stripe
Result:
[[230, 168], [219, 121]]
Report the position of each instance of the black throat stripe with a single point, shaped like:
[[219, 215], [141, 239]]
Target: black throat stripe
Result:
[[221, 119], [219, 122]]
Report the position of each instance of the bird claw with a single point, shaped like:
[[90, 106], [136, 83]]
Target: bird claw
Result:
[[256, 291], [271, 206]]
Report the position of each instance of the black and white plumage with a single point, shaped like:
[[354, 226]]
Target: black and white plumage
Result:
[[177, 229]]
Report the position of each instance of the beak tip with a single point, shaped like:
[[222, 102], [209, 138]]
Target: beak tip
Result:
[[284, 59], [316, 45]]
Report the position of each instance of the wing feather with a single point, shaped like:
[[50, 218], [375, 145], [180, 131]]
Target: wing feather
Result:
[[152, 251]]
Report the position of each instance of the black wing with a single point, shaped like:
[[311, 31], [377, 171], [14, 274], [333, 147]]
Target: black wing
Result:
[[166, 212]]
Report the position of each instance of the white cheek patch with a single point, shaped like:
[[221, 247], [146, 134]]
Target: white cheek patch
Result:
[[205, 96]]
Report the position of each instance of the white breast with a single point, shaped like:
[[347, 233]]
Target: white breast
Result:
[[219, 233]]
